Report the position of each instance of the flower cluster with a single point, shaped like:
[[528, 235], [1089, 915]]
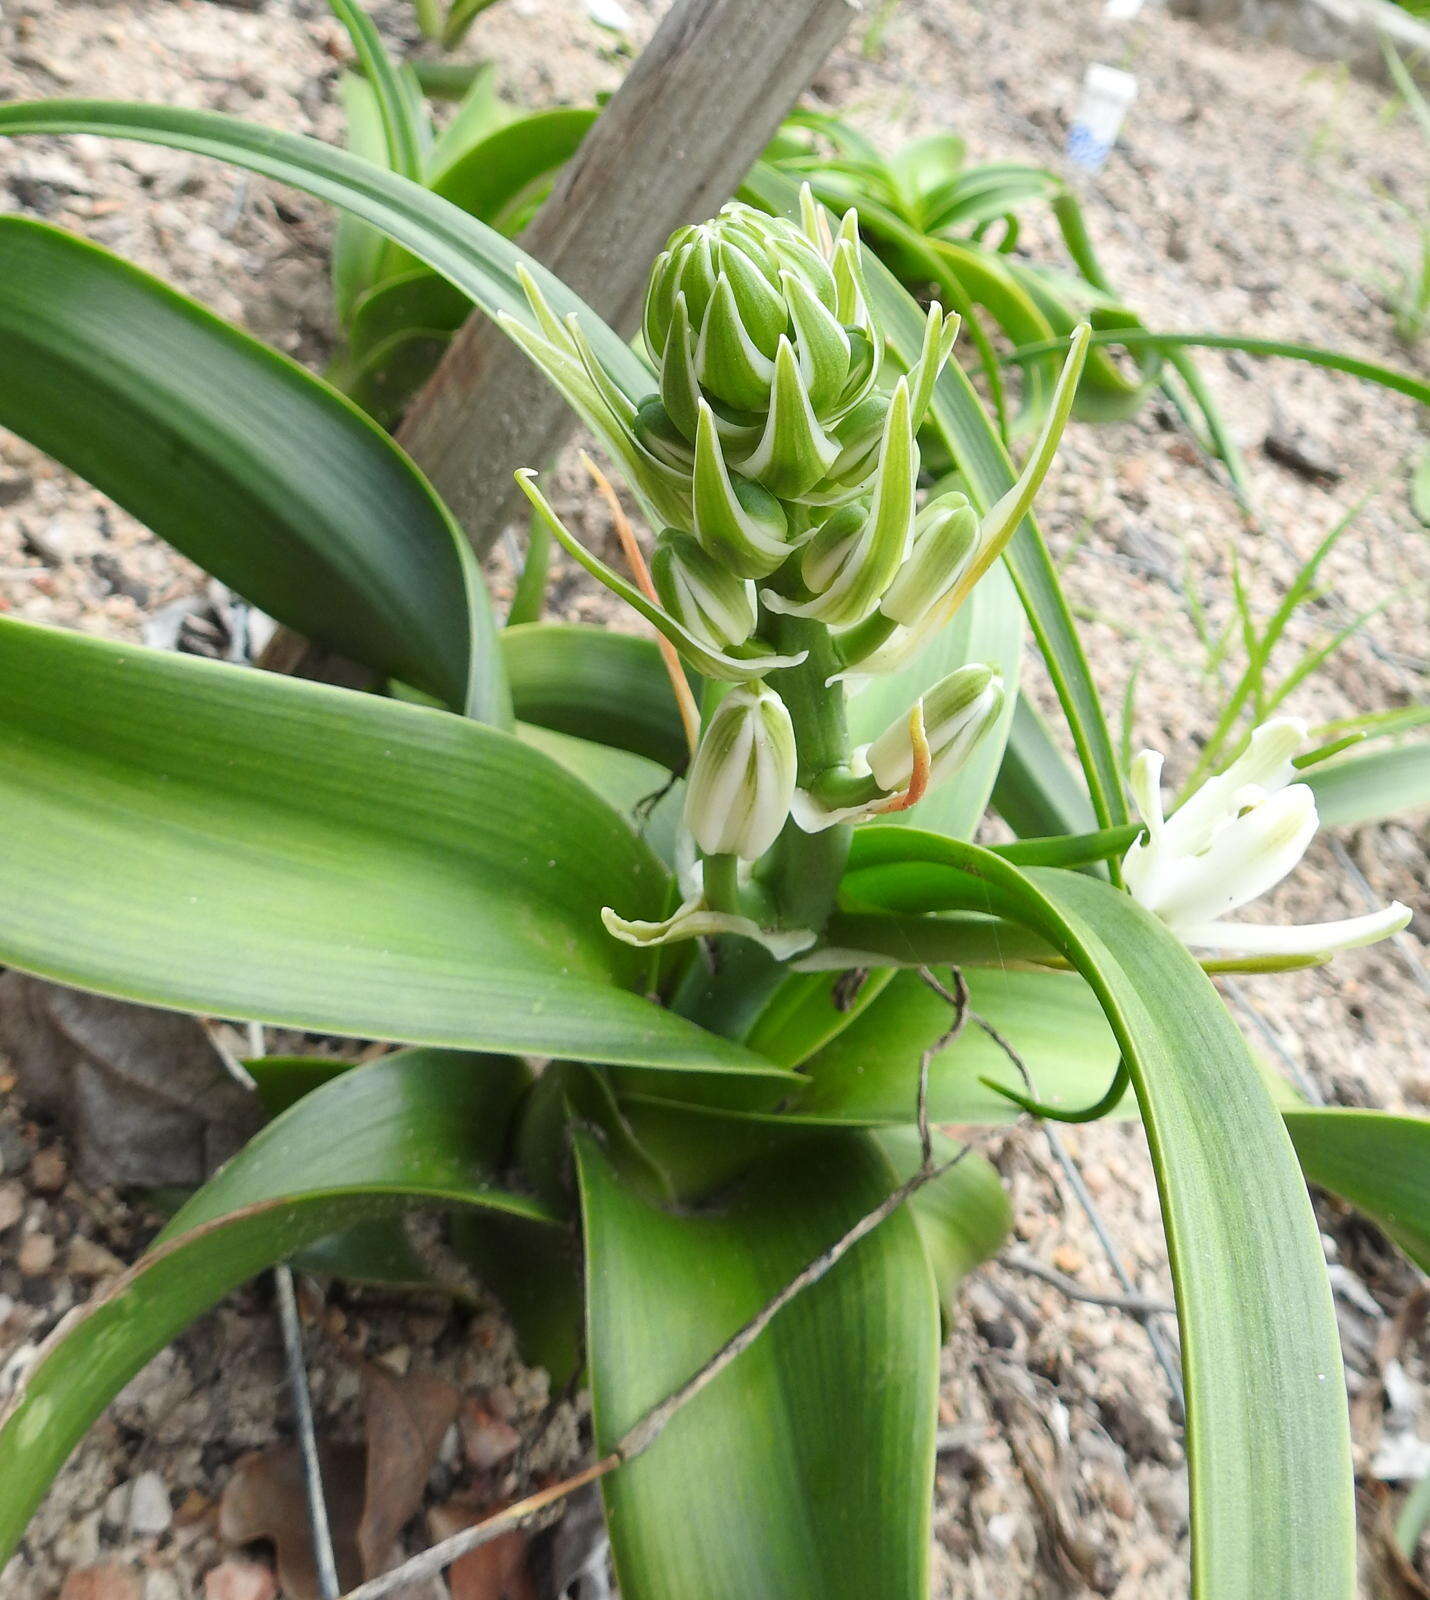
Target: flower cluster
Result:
[[777, 456]]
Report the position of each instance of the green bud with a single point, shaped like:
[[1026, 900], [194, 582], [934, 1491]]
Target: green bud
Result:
[[725, 296], [741, 783], [702, 594], [850, 572], [727, 359], [658, 435], [958, 711], [944, 535], [794, 452], [736, 521]]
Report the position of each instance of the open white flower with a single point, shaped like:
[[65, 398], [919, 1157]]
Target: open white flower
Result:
[[1235, 838]]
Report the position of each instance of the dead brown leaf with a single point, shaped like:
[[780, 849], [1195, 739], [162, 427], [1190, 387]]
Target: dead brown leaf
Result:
[[266, 1499], [405, 1421], [372, 1490], [495, 1571]]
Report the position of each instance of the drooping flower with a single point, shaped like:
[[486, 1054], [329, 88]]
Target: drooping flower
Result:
[[1235, 838], [742, 779], [923, 749]]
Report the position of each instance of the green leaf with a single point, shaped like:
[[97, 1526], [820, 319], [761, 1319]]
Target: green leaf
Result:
[[963, 1217], [805, 1469], [1354, 366], [867, 1074], [1371, 787], [208, 838], [1378, 1162], [417, 1128], [247, 464], [1268, 1436], [466, 252], [598, 685], [357, 248], [402, 137], [1036, 792]]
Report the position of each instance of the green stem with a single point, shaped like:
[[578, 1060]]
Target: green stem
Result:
[[722, 883], [806, 867]]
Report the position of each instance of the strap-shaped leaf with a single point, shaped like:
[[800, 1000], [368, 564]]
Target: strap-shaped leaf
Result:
[[422, 1127], [466, 252], [246, 463], [868, 1074], [1380, 1163], [209, 838], [1373, 786], [805, 1469], [1267, 1431], [594, 684], [963, 1216], [1036, 793]]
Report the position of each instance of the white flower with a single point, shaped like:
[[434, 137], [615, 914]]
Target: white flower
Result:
[[1235, 838], [741, 782]]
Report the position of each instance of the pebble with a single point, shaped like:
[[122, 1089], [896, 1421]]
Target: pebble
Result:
[[239, 1580], [487, 1440], [106, 1581], [161, 1585], [1068, 1258], [87, 1258], [15, 1153], [149, 1510], [12, 1204], [49, 1170], [36, 1254]]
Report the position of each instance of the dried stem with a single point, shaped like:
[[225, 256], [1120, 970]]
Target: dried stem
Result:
[[635, 559]]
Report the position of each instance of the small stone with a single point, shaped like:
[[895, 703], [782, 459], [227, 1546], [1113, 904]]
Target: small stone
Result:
[[149, 1510], [116, 1506], [1068, 1258], [487, 1439], [161, 1585], [239, 1580], [87, 1258], [12, 1204], [106, 1581], [398, 1359], [36, 1254], [15, 1154], [14, 486], [49, 1170]]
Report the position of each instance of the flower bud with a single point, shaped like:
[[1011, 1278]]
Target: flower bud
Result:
[[737, 522], [727, 297], [849, 571], [944, 535], [958, 710], [741, 782], [705, 597]]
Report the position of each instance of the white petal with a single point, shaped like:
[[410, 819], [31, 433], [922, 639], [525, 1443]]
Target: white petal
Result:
[[1246, 857], [1266, 762], [1145, 782], [1297, 939], [694, 920]]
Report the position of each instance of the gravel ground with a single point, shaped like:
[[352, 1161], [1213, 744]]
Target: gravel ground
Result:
[[1250, 192]]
